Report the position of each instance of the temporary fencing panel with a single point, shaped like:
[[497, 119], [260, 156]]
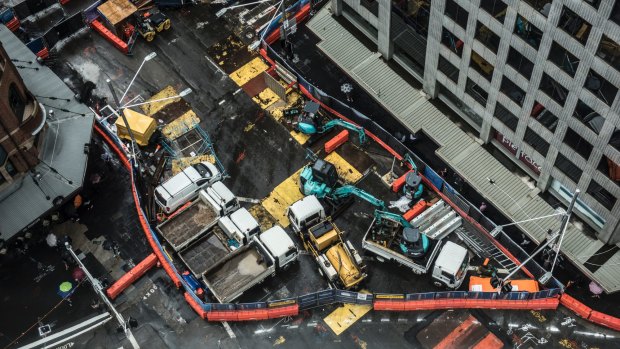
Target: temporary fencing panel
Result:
[[249, 306], [224, 306], [51, 37], [36, 45], [90, 13], [69, 26], [326, 297], [308, 301], [433, 177], [21, 10], [282, 302]]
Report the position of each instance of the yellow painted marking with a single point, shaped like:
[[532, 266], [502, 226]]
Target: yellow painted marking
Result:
[[277, 109], [179, 164], [344, 317], [282, 197], [279, 341], [249, 71], [264, 218], [300, 137], [346, 171], [249, 127], [152, 108], [180, 125], [266, 98]]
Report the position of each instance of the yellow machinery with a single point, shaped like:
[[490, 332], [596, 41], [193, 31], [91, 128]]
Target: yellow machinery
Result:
[[141, 125], [338, 260]]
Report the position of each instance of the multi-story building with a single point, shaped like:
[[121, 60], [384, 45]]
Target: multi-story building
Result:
[[21, 123], [537, 79]]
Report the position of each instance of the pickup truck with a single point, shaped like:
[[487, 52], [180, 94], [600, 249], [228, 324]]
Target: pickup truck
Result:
[[189, 224], [250, 265]]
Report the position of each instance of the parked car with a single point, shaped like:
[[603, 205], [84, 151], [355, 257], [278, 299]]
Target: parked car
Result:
[[186, 185]]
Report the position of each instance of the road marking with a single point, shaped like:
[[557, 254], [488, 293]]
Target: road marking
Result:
[[282, 197], [238, 90], [266, 98], [344, 317], [229, 330], [346, 171], [248, 71], [301, 138], [222, 102]]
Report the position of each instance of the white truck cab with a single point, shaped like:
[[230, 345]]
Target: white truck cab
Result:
[[305, 213], [280, 245], [240, 225], [451, 266], [221, 198]]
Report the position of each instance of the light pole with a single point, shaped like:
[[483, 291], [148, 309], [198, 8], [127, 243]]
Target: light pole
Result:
[[183, 93], [144, 60], [223, 11], [99, 291]]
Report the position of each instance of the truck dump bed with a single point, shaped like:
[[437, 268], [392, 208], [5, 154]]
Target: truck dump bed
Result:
[[183, 228], [203, 253], [239, 271]]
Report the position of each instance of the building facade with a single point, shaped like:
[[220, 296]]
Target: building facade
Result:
[[21, 123], [537, 79]]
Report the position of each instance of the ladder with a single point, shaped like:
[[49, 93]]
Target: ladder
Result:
[[484, 248]]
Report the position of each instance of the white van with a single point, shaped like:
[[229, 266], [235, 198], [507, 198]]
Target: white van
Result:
[[451, 266], [186, 185]]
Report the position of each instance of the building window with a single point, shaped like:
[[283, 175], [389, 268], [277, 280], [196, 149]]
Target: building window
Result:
[[476, 92], [372, 6], [601, 195], [588, 117], [457, 13], [543, 6], [553, 89], [16, 102], [487, 37], [568, 168], [615, 13], [496, 8], [544, 116], [609, 51], [3, 155], [610, 169], [513, 91], [448, 69], [537, 142], [596, 84], [505, 116], [528, 32], [563, 59], [452, 42], [574, 25], [481, 66], [10, 169], [415, 13], [521, 64], [577, 143], [614, 141]]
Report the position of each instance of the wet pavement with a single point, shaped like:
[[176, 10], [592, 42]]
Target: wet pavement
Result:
[[258, 153]]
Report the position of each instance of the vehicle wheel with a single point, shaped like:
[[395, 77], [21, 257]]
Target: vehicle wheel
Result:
[[167, 24], [160, 28], [149, 36], [438, 284]]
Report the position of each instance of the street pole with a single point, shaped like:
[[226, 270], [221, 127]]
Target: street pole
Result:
[[569, 211], [122, 115], [561, 232], [99, 291]]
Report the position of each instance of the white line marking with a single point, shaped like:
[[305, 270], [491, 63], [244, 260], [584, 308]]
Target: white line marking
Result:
[[222, 101], [229, 330], [238, 90]]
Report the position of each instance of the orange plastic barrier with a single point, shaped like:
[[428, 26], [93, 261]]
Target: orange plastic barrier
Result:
[[398, 184], [249, 315], [576, 306], [134, 274], [44, 53], [337, 141], [222, 315], [299, 16], [108, 35], [605, 320], [546, 303], [197, 308], [418, 208], [64, 2], [289, 310], [13, 24]]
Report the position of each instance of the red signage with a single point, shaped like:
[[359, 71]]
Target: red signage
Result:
[[526, 159]]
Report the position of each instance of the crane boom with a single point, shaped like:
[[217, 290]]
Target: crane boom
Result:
[[381, 215], [348, 190], [349, 126]]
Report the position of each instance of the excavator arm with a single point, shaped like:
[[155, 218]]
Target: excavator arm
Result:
[[347, 125], [381, 215], [349, 190], [407, 158]]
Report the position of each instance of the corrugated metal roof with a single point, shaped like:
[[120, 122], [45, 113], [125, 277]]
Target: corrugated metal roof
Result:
[[62, 148], [510, 194]]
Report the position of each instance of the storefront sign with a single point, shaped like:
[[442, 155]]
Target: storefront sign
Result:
[[526, 159]]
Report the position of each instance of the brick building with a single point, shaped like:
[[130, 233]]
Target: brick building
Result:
[[22, 121]]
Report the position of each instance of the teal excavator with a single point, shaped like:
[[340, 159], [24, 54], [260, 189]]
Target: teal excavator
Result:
[[321, 180], [412, 243], [310, 123], [413, 187]]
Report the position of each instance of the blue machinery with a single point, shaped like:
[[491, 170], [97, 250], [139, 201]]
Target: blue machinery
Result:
[[412, 243], [309, 123], [413, 187]]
